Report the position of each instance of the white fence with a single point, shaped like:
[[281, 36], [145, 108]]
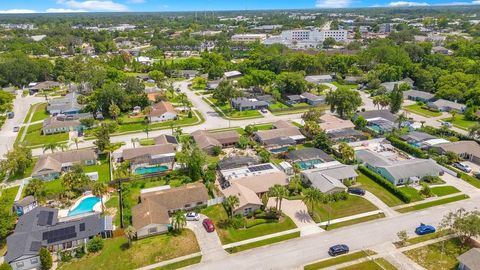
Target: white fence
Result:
[[215, 201]]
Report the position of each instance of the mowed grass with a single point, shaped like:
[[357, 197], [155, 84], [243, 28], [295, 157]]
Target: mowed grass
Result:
[[231, 235], [426, 237], [265, 242], [417, 109], [444, 190], [40, 112], [181, 264], [368, 184], [343, 208], [228, 112], [353, 221], [8, 195], [103, 169], [432, 203], [438, 256], [412, 193], [116, 254], [35, 137], [461, 122], [340, 259], [378, 264]]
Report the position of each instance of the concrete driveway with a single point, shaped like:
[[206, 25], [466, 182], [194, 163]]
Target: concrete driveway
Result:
[[210, 245]]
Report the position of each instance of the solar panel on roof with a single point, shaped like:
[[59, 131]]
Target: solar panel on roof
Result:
[[82, 227], [59, 234], [50, 218], [35, 246], [259, 168], [42, 218]]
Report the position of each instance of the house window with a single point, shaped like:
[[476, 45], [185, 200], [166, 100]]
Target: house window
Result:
[[187, 205], [199, 203], [19, 264], [34, 260], [152, 230]]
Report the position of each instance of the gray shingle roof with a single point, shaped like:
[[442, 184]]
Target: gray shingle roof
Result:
[[471, 258], [309, 154], [385, 114], [418, 94], [323, 182]]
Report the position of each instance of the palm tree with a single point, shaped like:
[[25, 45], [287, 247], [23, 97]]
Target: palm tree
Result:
[[474, 131], [76, 141], [147, 130], [63, 147], [453, 113], [295, 184], [99, 189], [179, 220], [134, 140], [231, 202], [346, 151], [422, 122], [312, 195], [401, 119], [130, 233], [50, 146], [274, 191], [282, 192]]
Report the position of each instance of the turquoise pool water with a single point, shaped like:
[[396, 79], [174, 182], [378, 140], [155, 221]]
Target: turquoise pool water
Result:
[[149, 170], [305, 165], [279, 150], [85, 206]]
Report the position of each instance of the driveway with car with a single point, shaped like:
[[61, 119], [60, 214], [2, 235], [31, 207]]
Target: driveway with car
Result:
[[210, 245]]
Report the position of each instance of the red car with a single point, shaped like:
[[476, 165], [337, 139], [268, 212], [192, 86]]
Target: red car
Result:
[[208, 225]]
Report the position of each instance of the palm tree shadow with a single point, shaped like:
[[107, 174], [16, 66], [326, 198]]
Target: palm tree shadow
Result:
[[303, 216]]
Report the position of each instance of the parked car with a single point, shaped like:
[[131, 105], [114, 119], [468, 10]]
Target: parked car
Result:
[[16, 129], [424, 229], [208, 225], [192, 216], [357, 191], [263, 110], [338, 250], [462, 166], [477, 175], [447, 124]]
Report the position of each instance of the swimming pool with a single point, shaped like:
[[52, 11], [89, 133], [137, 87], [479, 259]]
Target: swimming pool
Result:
[[279, 150], [310, 164], [85, 206], [149, 170]]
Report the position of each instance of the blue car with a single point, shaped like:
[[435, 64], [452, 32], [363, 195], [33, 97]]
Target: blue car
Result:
[[338, 250], [424, 229]]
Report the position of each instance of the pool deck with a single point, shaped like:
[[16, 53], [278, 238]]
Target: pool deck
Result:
[[97, 208]]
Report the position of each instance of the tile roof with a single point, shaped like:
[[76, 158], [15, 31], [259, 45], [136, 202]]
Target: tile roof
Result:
[[54, 161], [159, 149], [461, 147], [331, 123], [470, 259], [149, 212], [162, 107], [176, 198]]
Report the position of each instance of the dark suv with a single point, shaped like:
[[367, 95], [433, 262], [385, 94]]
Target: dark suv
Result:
[[338, 250], [357, 191]]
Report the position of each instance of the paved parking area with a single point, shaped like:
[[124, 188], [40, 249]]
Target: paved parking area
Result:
[[298, 212], [210, 245]]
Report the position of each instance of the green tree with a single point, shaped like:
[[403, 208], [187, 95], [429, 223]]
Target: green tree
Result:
[[295, 184], [102, 135], [50, 146], [225, 92], [396, 99], [347, 152], [95, 245], [36, 188], [291, 83], [313, 114], [5, 266], [230, 203], [46, 261], [279, 192], [76, 141], [312, 196], [179, 220], [194, 159], [344, 101], [323, 142], [99, 189], [264, 155], [17, 160], [114, 111], [464, 224], [403, 237], [130, 233], [360, 122]]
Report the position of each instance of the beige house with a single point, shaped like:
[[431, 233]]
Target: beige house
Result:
[[150, 218], [331, 123], [51, 166], [208, 140], [162, 111]]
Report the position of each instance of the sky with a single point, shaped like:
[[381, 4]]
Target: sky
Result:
[[59, 6]]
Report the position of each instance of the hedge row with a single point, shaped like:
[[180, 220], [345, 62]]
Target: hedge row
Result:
[[385, 183], [412, 150]]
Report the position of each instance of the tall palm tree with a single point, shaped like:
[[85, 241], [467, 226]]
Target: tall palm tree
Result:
[[346, 151], [474, 131], [134, 140], [76, 141], [295, 184], [274, 191], [63, 146], [130, 233], [401, 119], [50, 146], [147, 130], [312, 195], [99, 189], [422, 122], [179, 220], [282, 192], [231, 202], [453, 113]]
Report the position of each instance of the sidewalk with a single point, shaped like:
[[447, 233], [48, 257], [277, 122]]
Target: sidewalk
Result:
[[431, 199], [178, 259]]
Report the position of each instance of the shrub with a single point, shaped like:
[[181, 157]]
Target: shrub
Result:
[[66, 256], [80, 252], [416, 152], [5, 266], [45, 259], [255, 222], [385, 183], [95, 245], [216, 150], [432, 179]]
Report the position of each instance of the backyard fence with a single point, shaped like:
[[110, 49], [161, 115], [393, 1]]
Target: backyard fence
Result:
[[215, 201]]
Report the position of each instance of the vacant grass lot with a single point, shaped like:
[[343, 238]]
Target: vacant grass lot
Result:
[[368, 184], [438, 256], [417, 109], [340, 259], [343, 208], [277, 105], [444, 190], [432, 203], [40, 112], [231, 235], [117, 255], [265, 242]]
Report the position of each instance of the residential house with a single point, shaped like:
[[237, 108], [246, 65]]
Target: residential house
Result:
[[11, 90], [318, 79], [151, 215], [469, 260], [417, 95], [280, 137], [422, 140], [232, 74], [390, 85], [42, 228], [249, 183], [346, 135], [468, 150], [208, 140], [398, 172], [51, 166], [24, 205], [66, 105], [306, 97], [246, 104], [330, 123], [379, 121], [329, 177], [236, 162], [212, 85], [166, 139], [42, 86], [187, 74], [162, 111], [64, 123], [150, 156], [308, 158], [353, 79], [441, 50], [444, 105]]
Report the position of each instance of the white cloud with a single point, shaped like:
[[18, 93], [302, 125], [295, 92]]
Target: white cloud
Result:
[[136, 1], [407, 4], [63, 10], [17, 11], [94, 5], [332, 3]]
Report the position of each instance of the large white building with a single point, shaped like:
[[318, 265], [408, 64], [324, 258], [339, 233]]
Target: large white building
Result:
[[305, 38], [248, 38]]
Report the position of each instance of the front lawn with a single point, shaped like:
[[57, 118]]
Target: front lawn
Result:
[[8, 195], [103, 169], [438, 256], [353, 205], [412, 193], [461, 122], [34, 136], [377, 190], [417, 109], [378, 264], [265, 242], [353, 221], [340, 259], [226, 110], [40, 112], [444, 190], [432, 203], [117, 255], [277, 105], [231, 235], [24, 174], [135, 125]]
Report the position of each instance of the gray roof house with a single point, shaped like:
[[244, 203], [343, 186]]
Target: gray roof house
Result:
[[64, 123], [469, 260], [417, 95], [65, 105], [469, 150], [150, 156], [237, 162], [50, 166], [399, 172], [447, 105], [390, 85], [317, 79], [306, 97], [308, 153], [379, 121], [41, 227], [416, 137], [283, 134], [330, 177], [245, 104]]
